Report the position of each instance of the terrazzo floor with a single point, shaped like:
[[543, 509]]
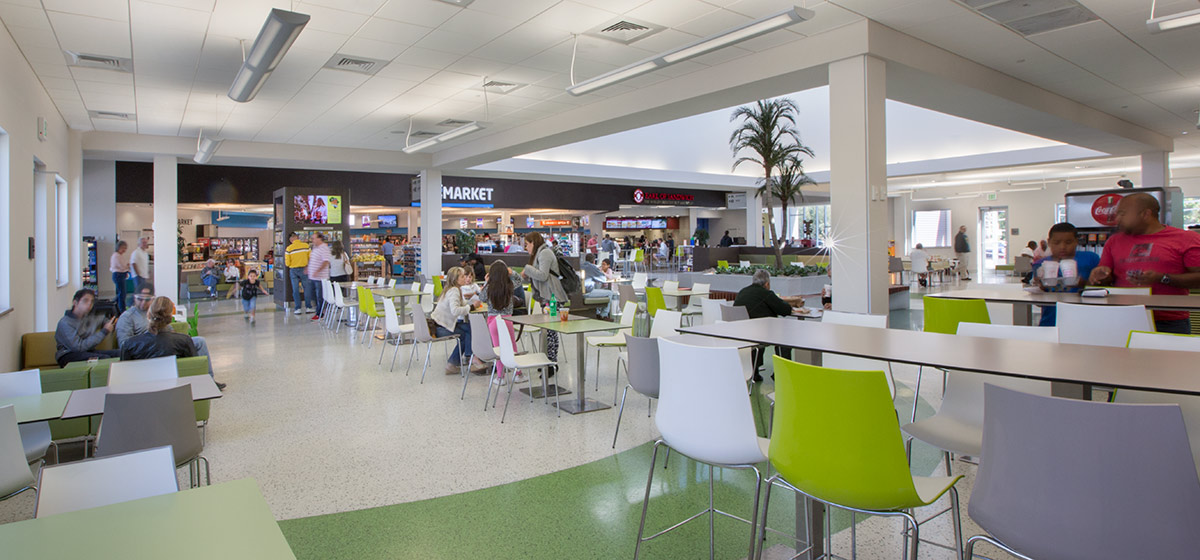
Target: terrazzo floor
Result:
[[361, 462]]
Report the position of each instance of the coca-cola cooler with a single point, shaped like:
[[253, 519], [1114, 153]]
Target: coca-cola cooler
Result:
[[1094, 213]]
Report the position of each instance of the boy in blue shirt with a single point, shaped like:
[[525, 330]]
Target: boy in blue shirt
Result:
[[1063, 241]]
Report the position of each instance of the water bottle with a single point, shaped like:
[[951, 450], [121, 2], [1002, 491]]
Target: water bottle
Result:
[[553, 306], [641, 321]]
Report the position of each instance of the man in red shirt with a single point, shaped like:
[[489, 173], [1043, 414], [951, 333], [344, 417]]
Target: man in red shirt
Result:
[[1147, 253]]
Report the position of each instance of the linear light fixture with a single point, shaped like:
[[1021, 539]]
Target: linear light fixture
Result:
[[448, 135], [277, 35], [206, 146], [1173, 21], [708, 44]]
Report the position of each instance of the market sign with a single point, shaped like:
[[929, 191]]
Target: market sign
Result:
[[556, 223], [642, 196]]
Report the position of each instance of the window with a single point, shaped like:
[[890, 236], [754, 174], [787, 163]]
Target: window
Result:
[[62, 229], [931, 228], [1060, 213], [1191, 211]]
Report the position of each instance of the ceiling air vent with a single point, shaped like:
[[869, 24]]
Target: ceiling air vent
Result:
[[85, 60], [112, 115], [453, 122], [417, 133], [498, 86], [1032, 17], [624, 30], [356, 64]]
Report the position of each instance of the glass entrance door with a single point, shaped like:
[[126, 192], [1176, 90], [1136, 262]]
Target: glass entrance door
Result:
[[993, 233]]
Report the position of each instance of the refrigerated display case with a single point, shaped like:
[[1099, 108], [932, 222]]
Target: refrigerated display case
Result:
[[91, 274]]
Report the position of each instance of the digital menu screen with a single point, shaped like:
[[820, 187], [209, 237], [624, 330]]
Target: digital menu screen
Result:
[[317, 210], [635, 223], [387, 221]]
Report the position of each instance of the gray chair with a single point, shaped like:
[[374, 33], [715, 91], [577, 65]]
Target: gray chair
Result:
[[35, 436], [15, 476], [1022, 266], [627, 293], [734, 313], [136, 421], [642, 373], [421, 335], [1074, 480], [111, 480], [481, 347]]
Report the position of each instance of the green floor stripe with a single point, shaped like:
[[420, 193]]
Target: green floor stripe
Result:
[[588, 511]]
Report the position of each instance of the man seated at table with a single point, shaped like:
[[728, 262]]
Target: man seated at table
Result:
[[760, 301], [77, 335], [1063, 242], [135, 322], [1147, 253], [593, 276]]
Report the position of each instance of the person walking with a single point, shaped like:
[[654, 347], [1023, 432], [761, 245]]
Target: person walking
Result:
[[139, 265], [318, 269], [249, 289], [118, 264], [389, 253], [296, 260], [962, 250]]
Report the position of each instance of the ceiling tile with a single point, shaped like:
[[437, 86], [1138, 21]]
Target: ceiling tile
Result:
[[572, 16], [482, 26], [406, 72], [426, 58], [521, 11], [671, 13], [110, 125], [339, 77], [522, 42], [242, 19], [33, 37], [328, 19], [427, 13], [617, 6], [713, 22], [23, 16], [117, 10], [451, 42], [370, 48], [365, 7], [97, 75], [103, 102], [388, 85], [314, 40], [91, 35], [392, 31], [476, 66]]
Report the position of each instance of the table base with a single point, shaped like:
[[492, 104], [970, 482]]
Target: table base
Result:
[[573, 406], [552, 389]]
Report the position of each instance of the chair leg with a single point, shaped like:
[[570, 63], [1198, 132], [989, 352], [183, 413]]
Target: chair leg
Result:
[[507, 399], [411, 354], [491, 380], [428, 351], [646, 499], [917, 393], [761, 539], [597, 368], [617, 376], [948, 459], [620, 411], [712, 517], [383, 348], [958, 539], [557, 400]]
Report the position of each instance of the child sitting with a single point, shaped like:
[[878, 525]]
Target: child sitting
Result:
[[1062, 259]]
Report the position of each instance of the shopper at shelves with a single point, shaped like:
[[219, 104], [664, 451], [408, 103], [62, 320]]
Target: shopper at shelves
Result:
[[341, 266], [450, 314], [318, 269], [389, 253], [139, 264], [119, 266], [296, 260], [76, 338], [1147, 253]]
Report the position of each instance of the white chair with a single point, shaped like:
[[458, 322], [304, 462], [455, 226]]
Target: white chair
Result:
[[839, 361], [696, 302], [666, 323], [744, 264], [421, 335], [640, 280], [35, 436], [341, 306], [1101, 325], [416, 287], [957, 427], [525, 362], [391, 283], [105, 481], [616, 340], [705, 414], [481, 349], [428, 301], [393, 329], [371, 279], [15, 476], [1189, 405], [642, 354], [327, 290], [671, 301], [380, 281], [138, 371], [711, 310]]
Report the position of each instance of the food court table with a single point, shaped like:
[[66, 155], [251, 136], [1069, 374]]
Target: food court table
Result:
[[86, 402], [578, 326], [1023, 301], [680, 293], [400, 294], [37, 408], [228, 521], [1126, 368]]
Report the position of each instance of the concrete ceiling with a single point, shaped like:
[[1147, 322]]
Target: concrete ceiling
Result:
[[185, 53]]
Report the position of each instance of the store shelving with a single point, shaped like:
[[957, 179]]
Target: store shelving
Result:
[[91, 278], [410, 261], [365, 252]]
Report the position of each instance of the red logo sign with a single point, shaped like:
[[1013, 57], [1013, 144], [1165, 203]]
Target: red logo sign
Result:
[[652, 197], [639, 196], [1104, 209]]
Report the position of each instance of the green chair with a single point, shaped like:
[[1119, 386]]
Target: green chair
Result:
[[721, 265], [372, 309], [437, 287], [654, 300], [71, 377], [836, 440], [639, 259], [942, 315]]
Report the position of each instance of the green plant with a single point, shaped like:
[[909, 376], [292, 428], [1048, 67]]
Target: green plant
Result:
[[788, 184], [785, 271], [701, 236], [768, 132], [464, 242]]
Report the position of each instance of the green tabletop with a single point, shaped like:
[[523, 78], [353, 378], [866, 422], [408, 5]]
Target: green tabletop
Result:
[[580, 326], [395, 293], [227, 521], [36, 408], [541, 319]]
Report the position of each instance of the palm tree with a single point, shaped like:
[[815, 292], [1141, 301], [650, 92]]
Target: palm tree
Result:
[[768, 132], [787, 184]]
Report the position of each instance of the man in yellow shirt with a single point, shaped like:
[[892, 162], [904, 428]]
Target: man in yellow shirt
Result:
[[296, 260]]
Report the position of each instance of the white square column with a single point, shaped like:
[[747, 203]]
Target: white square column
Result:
[[166, 219], [1154, 170], [754, 222], [431, 222], [858, 184]]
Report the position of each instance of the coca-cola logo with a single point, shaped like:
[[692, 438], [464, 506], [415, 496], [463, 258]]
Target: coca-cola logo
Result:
[[1104, 209]]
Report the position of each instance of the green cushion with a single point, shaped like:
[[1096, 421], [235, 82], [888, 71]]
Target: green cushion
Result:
[[70, 378], [37, 350]]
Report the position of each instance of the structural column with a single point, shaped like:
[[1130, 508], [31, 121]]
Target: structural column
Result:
[[1154, 170], [858, 184], [166, 220], [502, 223], [754, 221], [431, 222]]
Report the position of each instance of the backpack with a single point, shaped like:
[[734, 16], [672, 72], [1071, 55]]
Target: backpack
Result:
[[567, 276]]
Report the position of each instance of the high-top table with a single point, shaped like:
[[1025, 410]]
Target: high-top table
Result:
[[1023, 301], [578, 326], [228, 521], [401, 295], [1126, 368]]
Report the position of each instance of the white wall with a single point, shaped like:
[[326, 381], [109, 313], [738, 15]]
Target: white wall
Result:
[[100, 198], [22, 101]]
